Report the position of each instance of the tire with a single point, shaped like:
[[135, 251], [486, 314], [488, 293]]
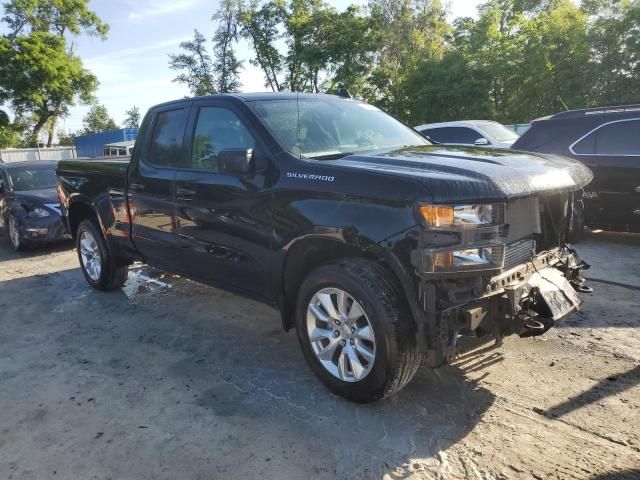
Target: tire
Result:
[[98, 268], [14, 234], [396, 357]]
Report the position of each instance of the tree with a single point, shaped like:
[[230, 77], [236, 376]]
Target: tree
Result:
[[133, 118], [10, 133], [324, 49], [41, 78], [413, 31], [259, 25], [226, 66], [98, 120], [66, 139], [54, 16], [614, 40], [195, 66]]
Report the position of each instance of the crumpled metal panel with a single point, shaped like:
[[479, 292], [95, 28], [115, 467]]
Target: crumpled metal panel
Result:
[[556, 291], [454, 174]]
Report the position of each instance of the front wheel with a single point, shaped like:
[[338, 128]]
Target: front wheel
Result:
[[355, 330], [96, 263], [14, 234]]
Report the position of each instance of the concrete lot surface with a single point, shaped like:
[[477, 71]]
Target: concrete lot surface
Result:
[[189, 382]]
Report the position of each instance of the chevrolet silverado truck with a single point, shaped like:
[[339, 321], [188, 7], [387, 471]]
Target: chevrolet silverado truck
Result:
[[378, 247]]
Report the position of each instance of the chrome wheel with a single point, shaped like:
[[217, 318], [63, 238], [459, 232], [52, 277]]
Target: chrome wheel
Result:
[[90, 255], [341, 335], [14, 234]]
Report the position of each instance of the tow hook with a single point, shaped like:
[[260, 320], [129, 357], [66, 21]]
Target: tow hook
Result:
[[533, 325], [579, 285]]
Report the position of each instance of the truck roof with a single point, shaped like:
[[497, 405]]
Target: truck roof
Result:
[[254, 97]]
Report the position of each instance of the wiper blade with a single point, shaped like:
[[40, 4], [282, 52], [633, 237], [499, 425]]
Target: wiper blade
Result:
[[331, 156]]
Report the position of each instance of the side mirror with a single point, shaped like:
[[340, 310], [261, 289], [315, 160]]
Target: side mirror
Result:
[[481, 141], [236, 160]]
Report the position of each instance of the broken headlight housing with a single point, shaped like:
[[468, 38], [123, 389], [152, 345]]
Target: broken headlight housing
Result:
[[474, 258], [459, 216], [472, 233]]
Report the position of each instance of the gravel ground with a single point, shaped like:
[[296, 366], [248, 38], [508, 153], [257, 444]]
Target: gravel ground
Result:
[[172, 379]]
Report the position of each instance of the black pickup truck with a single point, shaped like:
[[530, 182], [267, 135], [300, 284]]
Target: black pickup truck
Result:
[[378, 247]]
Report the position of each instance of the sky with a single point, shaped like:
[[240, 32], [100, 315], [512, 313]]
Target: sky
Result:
[[132, 64]]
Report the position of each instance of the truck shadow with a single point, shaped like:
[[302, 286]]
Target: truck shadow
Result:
[[226, 360]]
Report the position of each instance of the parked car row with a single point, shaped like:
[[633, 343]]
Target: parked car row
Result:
[[606, 139]]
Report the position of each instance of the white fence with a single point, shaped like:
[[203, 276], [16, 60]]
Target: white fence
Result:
[[11, 155]]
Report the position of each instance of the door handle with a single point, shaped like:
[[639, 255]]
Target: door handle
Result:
[[136, 187], [183, 193]]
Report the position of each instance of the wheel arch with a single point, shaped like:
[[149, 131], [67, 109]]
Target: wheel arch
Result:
[[309, 253], [78, 211]]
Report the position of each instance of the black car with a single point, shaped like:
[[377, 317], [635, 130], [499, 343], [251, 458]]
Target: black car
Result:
[[29, 205], [607, 140], [378, 247]]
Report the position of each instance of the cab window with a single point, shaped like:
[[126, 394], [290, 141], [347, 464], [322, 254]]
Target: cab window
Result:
[[165, 148], [217, 129]]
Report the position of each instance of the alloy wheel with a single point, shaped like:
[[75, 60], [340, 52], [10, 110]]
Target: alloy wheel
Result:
[[90, 255], [14, 234], [341, 335]]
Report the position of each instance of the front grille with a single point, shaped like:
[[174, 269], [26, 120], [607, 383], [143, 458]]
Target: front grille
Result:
[[519, 252]]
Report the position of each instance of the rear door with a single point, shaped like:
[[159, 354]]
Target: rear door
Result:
[[612, 151], [223, 215], [151, 186]]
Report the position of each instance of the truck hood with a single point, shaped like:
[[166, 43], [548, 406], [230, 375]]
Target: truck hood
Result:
[[452, 173]]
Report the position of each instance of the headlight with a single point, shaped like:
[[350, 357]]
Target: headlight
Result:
[[38, 212], [458, 215], [468, 258]]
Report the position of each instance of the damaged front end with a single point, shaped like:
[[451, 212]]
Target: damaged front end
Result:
[[497, 270]]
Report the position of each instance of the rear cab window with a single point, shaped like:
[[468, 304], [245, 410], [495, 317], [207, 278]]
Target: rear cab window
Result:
[[165, 144]]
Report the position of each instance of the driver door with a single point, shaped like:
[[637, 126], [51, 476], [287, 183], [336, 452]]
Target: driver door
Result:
[[224, 226]]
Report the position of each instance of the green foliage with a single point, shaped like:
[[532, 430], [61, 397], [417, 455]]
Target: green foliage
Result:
[[133, 118], [66, 139], [54, 16], [41, 78], [226, 66], [259, 25], [10, 133], [98, 120], [195, 66], [324, 49]]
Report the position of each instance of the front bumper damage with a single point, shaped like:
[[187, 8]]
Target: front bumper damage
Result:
[[42, 230], [526, 300]]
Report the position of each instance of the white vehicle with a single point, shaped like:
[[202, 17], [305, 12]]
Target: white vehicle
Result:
[[481, 133]]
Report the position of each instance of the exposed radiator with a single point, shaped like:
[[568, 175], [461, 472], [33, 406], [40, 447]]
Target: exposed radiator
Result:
[[519, 252]]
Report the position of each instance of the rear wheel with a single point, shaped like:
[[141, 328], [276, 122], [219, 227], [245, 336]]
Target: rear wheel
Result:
[[96, 263], [355, 331], [14, 234]]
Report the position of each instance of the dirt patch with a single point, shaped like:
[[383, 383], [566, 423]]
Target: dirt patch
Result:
[[172, 379]]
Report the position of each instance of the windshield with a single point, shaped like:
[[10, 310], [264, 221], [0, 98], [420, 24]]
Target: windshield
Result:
[[325, 127], [32, 178], [499, 132]]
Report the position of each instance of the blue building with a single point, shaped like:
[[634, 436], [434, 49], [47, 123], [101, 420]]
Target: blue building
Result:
[[93, 145]]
